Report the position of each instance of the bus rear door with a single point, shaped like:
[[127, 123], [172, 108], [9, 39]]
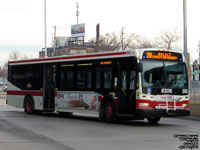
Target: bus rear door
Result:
[[126, 88], [49, 87]]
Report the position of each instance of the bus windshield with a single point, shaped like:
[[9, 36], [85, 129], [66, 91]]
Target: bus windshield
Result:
[[164, 74]]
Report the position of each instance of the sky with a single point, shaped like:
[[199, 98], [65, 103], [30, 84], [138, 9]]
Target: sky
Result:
[[22, 21]]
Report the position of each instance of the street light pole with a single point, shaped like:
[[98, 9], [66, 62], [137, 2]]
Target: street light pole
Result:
[[185, 31]]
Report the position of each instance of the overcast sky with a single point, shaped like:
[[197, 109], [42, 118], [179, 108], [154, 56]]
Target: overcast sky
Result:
[[22, 21]]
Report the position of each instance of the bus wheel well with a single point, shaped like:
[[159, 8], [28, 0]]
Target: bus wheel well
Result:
[[28, 96], [107, 99], [107, 103], [29, 104]]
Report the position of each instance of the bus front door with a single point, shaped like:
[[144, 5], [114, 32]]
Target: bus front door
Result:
[[49, 87], [126, 89]]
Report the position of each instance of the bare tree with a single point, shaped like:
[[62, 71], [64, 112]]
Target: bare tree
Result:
[[169, 37], [15, 55], [110, 41], [130, 40], [143, 42]]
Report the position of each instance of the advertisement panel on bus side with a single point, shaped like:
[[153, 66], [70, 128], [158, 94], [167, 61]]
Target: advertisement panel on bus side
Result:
[[77, 100]]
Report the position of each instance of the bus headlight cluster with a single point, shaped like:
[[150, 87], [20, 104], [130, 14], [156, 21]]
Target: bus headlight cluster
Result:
[[144, 104]]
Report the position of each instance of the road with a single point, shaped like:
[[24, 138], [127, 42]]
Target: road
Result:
[[20, 131]]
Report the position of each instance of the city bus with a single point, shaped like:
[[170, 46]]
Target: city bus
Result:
[[133, 84]]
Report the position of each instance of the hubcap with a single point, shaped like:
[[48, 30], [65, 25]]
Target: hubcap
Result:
[[28, 107]]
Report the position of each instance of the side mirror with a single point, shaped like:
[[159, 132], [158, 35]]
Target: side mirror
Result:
[[139, 67]]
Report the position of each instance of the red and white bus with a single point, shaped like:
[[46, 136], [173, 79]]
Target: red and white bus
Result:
[[138, 84]]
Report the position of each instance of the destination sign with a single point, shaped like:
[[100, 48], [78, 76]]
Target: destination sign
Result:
[[162, 55]]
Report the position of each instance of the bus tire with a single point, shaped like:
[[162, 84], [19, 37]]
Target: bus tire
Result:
[[102, 112], [110, 116], [153, 120], [28, 105]]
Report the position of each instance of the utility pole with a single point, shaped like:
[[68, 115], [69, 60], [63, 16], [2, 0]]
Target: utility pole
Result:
[[54, 41], [77, 12], [45, 30], [122, 40]]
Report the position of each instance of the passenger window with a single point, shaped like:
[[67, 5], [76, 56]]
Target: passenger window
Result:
[[124, 80], [84, 78], [107, 77], [66, 80], [89, 79], [98, 74]]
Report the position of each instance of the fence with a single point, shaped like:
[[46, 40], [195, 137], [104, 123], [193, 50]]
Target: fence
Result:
[[195, 92]]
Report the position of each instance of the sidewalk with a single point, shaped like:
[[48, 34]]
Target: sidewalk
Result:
[[2, 102], [2, 95]]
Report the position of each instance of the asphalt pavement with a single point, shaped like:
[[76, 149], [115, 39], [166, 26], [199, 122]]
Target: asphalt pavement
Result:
[[49, 131]]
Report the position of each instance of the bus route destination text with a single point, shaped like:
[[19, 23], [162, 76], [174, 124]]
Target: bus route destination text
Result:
[[160, 55], [189, 141]]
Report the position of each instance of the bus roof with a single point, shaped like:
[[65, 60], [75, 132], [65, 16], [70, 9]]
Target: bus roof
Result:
[[88, 56]]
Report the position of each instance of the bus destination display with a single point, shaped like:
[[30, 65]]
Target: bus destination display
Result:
[[162, 55]]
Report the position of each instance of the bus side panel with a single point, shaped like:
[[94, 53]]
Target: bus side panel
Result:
[[15, 97], [38, 101], [15, 100], [12, 98], [18, 101]]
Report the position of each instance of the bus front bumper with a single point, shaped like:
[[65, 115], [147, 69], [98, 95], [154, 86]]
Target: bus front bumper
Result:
[[162, 113]]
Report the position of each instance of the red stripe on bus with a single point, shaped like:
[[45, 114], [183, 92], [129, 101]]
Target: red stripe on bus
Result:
[[68, 57], [34, 93]]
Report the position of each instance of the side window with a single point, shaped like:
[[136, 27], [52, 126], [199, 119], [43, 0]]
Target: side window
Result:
[[84, 78], [107, 77], [27, 76], [34, 77], [66, 79], [89, 79], [98, 82], [124, 80], [66, 76], [18, 76]]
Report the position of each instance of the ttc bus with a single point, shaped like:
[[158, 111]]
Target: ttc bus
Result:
[[135, 84]]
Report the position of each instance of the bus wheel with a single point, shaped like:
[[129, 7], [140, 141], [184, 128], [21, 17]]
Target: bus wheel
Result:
[[110, 116], [153, 120], [102, 112], [28, 105]]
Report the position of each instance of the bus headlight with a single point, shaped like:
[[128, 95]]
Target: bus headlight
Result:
[[184, 105], [144, 104]]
